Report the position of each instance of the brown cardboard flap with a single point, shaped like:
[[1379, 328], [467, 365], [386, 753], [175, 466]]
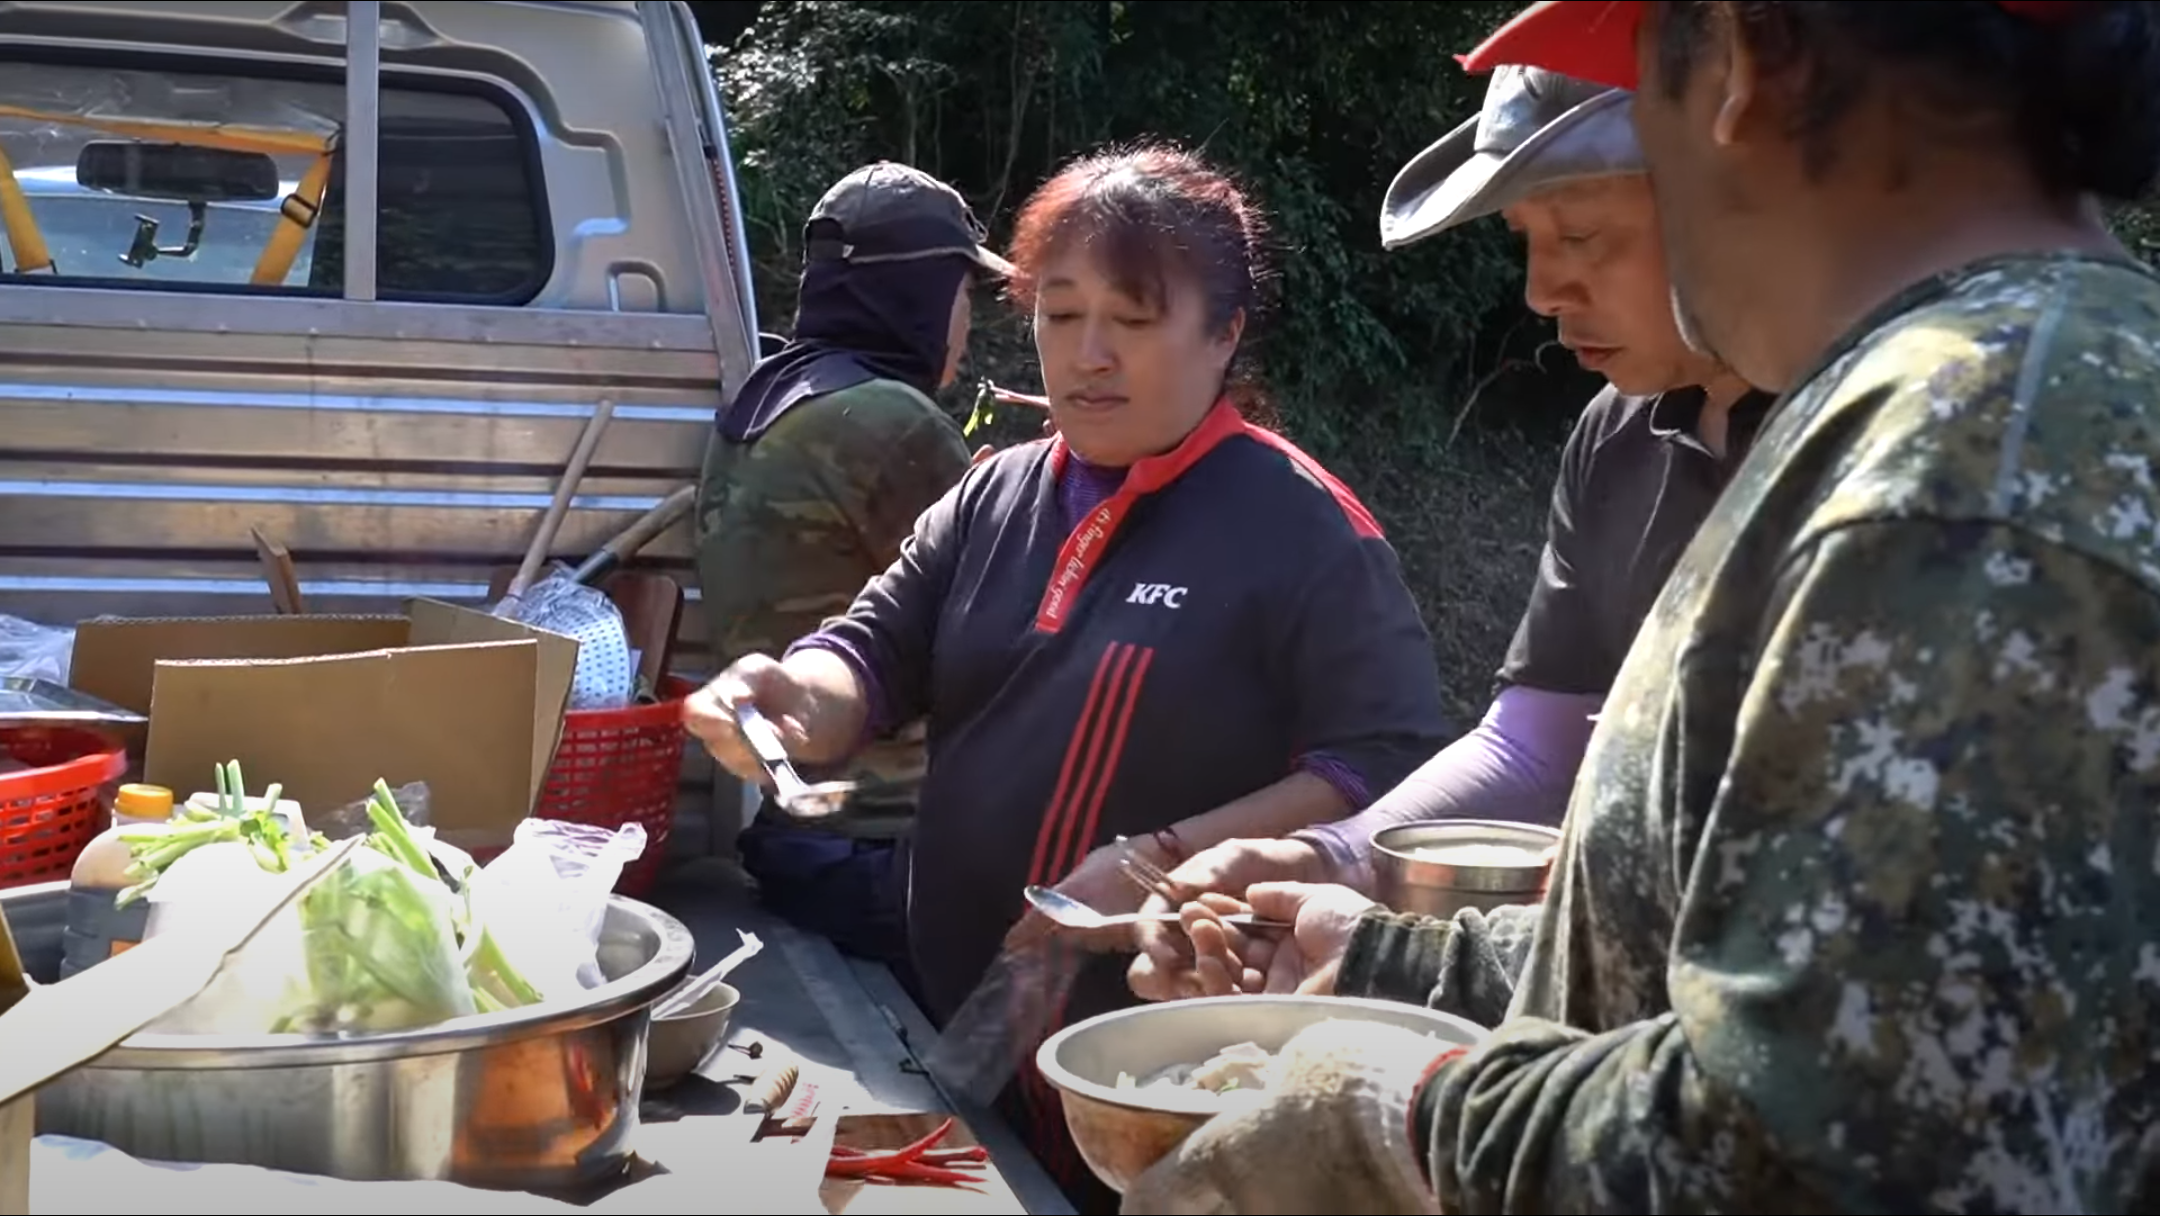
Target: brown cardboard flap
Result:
[[459, 718], [14, 981], [113, 659], [438, 624], [410, 705], [18, 1126]]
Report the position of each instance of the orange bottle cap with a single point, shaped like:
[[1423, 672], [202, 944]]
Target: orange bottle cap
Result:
[[144, 802]]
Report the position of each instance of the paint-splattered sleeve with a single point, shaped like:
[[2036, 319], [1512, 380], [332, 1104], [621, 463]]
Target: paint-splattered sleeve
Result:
[[1466, 965], [887, 632], [920, 459], [1914, 965]]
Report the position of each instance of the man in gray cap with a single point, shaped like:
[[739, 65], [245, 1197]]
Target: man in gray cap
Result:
[[1556, 158], [815, 474]]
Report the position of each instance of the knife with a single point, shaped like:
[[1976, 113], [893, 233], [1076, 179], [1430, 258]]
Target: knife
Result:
[[768, 1093]]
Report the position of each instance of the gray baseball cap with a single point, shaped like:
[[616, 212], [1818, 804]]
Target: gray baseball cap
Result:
[[1536, 130], [888, 212]]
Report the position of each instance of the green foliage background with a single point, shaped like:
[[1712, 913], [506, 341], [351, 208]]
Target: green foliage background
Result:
[[1417, 376]]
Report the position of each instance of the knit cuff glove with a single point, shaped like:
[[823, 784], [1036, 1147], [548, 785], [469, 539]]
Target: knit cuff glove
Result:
[[1330, 1134]]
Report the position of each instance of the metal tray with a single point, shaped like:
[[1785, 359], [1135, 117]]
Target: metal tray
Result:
[[25, 699]]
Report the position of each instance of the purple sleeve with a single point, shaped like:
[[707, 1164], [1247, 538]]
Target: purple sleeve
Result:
[[879, 721], [1519, 764], [1339, 774]]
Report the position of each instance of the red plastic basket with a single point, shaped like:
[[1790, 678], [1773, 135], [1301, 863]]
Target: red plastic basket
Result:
[[50, 811], [621, 766]]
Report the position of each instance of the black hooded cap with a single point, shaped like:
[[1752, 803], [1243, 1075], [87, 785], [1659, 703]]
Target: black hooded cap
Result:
[[886, 252]]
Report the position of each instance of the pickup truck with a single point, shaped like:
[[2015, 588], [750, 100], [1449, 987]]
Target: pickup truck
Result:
[[356, 275], [363, 302]]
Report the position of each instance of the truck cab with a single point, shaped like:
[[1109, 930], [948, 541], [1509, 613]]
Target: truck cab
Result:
[[354, 275]]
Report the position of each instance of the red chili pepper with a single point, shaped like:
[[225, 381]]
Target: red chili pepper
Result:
[[851, 1167], [923, 1145], [974, 1154], [901, 1163], [882, 1167], [916, 1171]]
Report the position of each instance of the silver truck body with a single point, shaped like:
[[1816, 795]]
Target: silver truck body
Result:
[[553, 225]]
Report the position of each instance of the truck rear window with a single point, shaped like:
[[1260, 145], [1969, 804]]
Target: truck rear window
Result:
[[183, 180]]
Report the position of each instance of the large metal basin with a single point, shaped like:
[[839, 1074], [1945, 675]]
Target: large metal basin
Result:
[[537, 1099]]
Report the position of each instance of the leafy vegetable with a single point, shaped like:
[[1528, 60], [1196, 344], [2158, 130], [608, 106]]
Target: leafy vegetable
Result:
[[387, 943], [496, 984], [381, 951], [267, 839]]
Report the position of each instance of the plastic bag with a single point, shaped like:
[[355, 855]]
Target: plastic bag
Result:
[[248, 995], [352, 818], [992, 1037], [371, 948], [71, 1175], [382, 951], [606, 676], [32, 651], [544, 899]]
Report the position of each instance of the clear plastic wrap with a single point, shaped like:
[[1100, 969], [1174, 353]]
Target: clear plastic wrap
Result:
[[373, 947], [352, 818], [32, 651], [993, 1035], [382, 953], [606, 676], [71, 1175], [544, 899], [211, 883]]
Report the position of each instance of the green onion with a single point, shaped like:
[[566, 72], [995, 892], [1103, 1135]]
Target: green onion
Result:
[[387, 946]]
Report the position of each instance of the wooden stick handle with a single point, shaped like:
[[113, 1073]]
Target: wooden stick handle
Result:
[[551, 523], [630, 540]]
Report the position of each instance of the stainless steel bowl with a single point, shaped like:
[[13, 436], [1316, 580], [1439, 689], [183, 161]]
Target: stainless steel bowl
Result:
[[1408, 881], [680, 1043], [532, 1099], [1121, 1132]]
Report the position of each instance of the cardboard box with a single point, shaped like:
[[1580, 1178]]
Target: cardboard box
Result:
[[18, 1122], [47, 1030], [325, 705]]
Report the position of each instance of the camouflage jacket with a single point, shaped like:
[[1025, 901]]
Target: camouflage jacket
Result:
[[1855, 909], [791, 527]]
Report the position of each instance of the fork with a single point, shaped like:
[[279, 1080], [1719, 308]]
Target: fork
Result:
[[1145, 874]]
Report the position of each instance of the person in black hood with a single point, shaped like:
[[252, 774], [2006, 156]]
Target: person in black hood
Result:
[[817, 469]]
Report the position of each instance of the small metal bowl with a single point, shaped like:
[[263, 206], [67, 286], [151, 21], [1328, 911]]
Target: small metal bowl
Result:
[[680, 1043], [1408, 878], [1121, 1132]]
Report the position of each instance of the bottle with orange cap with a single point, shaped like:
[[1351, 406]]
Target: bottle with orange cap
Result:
[[96, 929]]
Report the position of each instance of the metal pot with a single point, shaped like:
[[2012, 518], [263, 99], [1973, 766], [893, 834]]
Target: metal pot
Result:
[[1408, 879], [536, 1099]]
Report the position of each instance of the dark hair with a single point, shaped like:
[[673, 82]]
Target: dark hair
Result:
[[2079, 91], [1153, 214]]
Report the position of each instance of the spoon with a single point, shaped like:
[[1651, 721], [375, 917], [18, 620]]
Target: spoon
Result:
[[689, 994], [1067, 912], [796, 796]]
